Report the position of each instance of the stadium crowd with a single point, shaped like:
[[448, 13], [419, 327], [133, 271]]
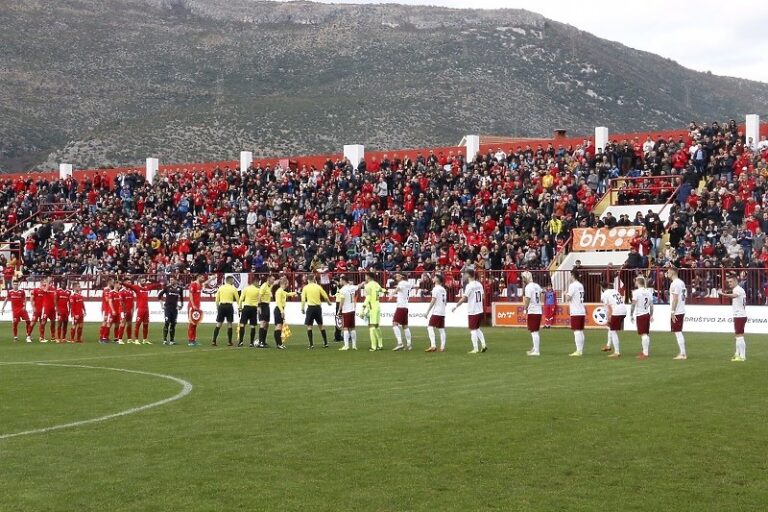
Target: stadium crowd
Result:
[[503, 210]]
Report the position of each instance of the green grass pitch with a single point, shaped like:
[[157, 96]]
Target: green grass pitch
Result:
[[321, 430]]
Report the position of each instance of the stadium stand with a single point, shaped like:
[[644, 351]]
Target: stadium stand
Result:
[[421, 211]]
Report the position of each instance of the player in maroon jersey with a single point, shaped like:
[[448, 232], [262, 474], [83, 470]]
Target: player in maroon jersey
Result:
[[18, 300], [142, 291], [194, 309], [126, 321], [62, 310], [77, 310], [49, 309], [106, 311]]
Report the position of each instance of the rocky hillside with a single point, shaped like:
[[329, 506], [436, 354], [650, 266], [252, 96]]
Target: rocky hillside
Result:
[[108, 83]]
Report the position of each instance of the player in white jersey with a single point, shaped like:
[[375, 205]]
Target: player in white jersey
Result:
[[617, 311], [346, 300], [642, 312], [739, 304], [473, 296], [575, 299], [402, 291], [532, 299], [678, 294], [437, 320]]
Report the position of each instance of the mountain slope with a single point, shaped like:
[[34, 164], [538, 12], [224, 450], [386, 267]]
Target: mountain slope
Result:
[[108, 83]]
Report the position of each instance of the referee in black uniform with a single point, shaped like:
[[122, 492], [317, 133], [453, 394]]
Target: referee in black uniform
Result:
[[226, 298]]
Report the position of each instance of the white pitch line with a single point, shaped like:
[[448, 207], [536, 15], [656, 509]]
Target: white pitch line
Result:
[[186, 388], [120, 356]]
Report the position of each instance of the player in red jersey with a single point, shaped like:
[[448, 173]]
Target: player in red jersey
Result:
[[77, 310], [117, 313], [127, 299], [106, 311], [49, 309], [38, 296], [62, 310], [142, 307], [194, 309], [18, 300]]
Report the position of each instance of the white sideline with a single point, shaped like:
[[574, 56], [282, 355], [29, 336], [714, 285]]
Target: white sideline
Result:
[[186, 388], [117, 356]]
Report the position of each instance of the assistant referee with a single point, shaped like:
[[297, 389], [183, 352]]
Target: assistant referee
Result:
[[312, 295], [249, 312], [226, 298]]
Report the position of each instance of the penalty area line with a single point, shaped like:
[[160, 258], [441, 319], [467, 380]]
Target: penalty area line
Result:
[[186, 389]]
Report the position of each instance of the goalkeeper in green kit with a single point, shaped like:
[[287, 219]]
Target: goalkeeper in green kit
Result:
[[372, 309]]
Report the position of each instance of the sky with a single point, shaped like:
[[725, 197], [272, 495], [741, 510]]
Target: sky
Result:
[[725, 37]]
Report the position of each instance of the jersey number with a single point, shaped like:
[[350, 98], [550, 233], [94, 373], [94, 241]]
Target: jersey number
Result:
[[478, 296]]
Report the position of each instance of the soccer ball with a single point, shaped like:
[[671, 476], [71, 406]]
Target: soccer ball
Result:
[[600, 316]]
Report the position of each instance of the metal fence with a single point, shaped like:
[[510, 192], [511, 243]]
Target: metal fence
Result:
[[500, 285]]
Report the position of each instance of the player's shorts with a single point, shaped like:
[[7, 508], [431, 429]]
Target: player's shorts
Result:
[[249, 315], [226, 312], [533, 321], [374, 315], [264, 312], [171, 314], [18, 316], [279, 320], [739, 323], [37, 314], [78, 319], [63, 316], [348, 320], [474, 321], [115, 318], [616, 323], [49, 314], [128, 314], [401, 316], [142, 316], [314, 315], [676, 323], [577, 322], [643, 324], [437, 321]]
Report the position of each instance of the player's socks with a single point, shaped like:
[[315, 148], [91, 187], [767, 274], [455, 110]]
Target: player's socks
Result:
[[166, 325], [615, 339], [536, 339], [408, 338], [398, 335], [145, 330], [473, 338], [681, 343], [431, 334], [215, 335], [240, 336], [372, 335], [325, 337], [345, 336], [481, 338], [311, 337], [379, 338], [579, 337], [191, 332], [645, 340], [741, 347], [278, 337], [229, 335], [262, 335], [353, 339], [442, 339]]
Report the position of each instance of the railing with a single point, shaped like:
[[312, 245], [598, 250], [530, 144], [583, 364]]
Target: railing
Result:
[[500, 285], [640, 184], [59, 211]]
